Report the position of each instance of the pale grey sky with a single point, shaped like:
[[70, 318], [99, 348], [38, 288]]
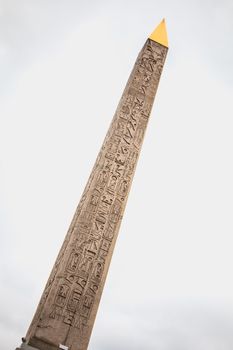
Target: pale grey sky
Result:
[[170, 282]]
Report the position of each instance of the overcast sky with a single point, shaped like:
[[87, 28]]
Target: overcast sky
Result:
[[63, 68]]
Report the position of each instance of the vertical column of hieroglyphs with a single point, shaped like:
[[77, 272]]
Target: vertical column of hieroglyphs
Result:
[[68, 306]]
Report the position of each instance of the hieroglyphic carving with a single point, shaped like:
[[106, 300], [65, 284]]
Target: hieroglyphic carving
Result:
[[72, 294]]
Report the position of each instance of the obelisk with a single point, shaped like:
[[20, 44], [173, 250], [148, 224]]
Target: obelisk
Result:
[[66, 313]]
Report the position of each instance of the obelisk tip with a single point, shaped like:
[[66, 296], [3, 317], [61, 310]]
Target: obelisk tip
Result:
[[160, 34]]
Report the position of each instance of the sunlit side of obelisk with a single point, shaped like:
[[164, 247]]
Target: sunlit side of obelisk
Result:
[[66, 313]]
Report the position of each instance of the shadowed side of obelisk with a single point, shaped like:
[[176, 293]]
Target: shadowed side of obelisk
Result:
[[66, 313]]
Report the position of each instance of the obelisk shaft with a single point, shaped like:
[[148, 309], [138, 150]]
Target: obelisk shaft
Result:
[[69, 303]]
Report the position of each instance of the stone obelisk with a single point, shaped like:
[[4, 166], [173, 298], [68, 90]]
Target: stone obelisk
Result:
[[66, 313]]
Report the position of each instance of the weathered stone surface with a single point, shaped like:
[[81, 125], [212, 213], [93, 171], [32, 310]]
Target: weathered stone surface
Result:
[[24, 346], [68, 307]]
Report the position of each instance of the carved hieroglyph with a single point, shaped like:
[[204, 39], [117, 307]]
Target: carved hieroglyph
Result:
[[67, 309]]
